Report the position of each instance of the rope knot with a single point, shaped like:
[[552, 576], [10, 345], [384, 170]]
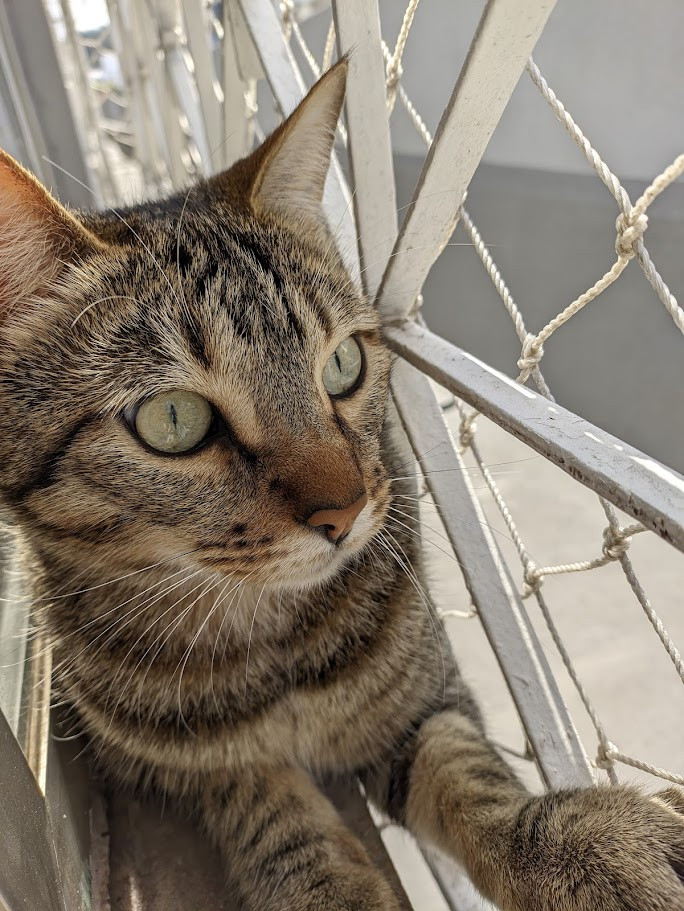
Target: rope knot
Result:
[[630, 229], [606, 754], [466, 432], [393, 74], [532, 352], [287, 12], [533, 577], [615, 543]]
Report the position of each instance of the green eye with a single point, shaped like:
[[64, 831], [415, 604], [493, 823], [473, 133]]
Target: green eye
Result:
[[343, 369], [174, 421]]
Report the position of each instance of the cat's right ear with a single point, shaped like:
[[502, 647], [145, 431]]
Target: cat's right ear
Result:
[[287, 173], [37, 236]]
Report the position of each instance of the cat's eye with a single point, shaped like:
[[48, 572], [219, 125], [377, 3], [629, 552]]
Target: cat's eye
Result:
[[343, 368], [174, 421]]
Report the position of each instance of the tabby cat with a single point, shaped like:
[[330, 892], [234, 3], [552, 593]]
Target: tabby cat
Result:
[[193, 436]]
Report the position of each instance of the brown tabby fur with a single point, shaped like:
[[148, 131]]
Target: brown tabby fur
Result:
[[214, 647]]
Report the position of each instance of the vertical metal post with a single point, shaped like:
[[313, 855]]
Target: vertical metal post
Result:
[[147, 149], [210, 94], [357, 24], [241, 70]]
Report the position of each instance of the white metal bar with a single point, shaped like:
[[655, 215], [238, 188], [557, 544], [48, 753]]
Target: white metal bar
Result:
[[209, 91], [14, 625], [147, 150], [357, 25], [237, 126], [631, 480], [505, 37], [178, 73], [288, 87], [160, 101], [31, 58], [549, 727], [29, 874], [103, 180]]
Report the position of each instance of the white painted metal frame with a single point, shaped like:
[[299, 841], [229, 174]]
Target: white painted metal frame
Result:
[[357, 25]]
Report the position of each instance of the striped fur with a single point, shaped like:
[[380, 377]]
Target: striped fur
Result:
[[212, 646]]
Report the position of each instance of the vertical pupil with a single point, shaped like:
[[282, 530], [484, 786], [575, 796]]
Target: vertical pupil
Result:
[[338, 362], [171, 411]]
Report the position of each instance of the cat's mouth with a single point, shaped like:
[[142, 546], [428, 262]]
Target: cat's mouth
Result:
[[307, 559], [315, 560]]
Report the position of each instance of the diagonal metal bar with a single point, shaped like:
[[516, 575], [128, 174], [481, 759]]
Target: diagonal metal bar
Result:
[[549, 727], [241, 69], [357, 25], [180, 79], [505, 37], [208, 89], [629, 479], [288, 87]]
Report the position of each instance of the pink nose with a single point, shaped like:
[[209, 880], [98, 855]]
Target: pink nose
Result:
[[337, 523]]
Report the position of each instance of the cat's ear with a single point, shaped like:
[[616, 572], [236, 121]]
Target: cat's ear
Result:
[[37, 235], [287, 173]]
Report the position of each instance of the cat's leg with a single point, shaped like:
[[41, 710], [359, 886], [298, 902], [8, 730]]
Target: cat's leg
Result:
[[593, 849], [286, 847]]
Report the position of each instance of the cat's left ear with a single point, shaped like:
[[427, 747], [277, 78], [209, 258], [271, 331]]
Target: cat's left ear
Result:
[[287, 173], [38, 236]]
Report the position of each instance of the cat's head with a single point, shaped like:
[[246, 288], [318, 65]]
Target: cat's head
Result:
[[196, 380]]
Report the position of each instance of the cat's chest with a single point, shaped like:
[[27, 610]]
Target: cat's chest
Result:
[[328, 689]]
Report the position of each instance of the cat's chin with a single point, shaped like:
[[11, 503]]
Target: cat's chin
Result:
[[321, 569], [318, 572]]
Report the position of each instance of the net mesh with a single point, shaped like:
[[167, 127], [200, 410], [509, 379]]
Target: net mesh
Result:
[[141, 84]]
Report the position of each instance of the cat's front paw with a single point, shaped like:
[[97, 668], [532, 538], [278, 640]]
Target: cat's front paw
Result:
[[600, 849]]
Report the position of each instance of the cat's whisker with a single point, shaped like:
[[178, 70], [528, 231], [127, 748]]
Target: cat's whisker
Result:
[[384, 538], [426, 474], [233, 591], [251, 630], [101, 300], [423, 504], [421, 537], [186, 655], [114, 629], [173, 621], [142, 635], [82, 591]]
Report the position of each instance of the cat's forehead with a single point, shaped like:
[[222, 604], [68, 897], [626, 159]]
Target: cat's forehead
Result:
[[237, 310], [261, 283]]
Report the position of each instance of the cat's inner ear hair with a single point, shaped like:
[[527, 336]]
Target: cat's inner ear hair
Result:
[[37, 235], [288, 172]]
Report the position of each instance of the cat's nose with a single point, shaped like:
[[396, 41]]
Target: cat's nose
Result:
[[337, 523]]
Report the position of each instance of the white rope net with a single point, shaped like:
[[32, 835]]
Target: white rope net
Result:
[[166, 152]]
